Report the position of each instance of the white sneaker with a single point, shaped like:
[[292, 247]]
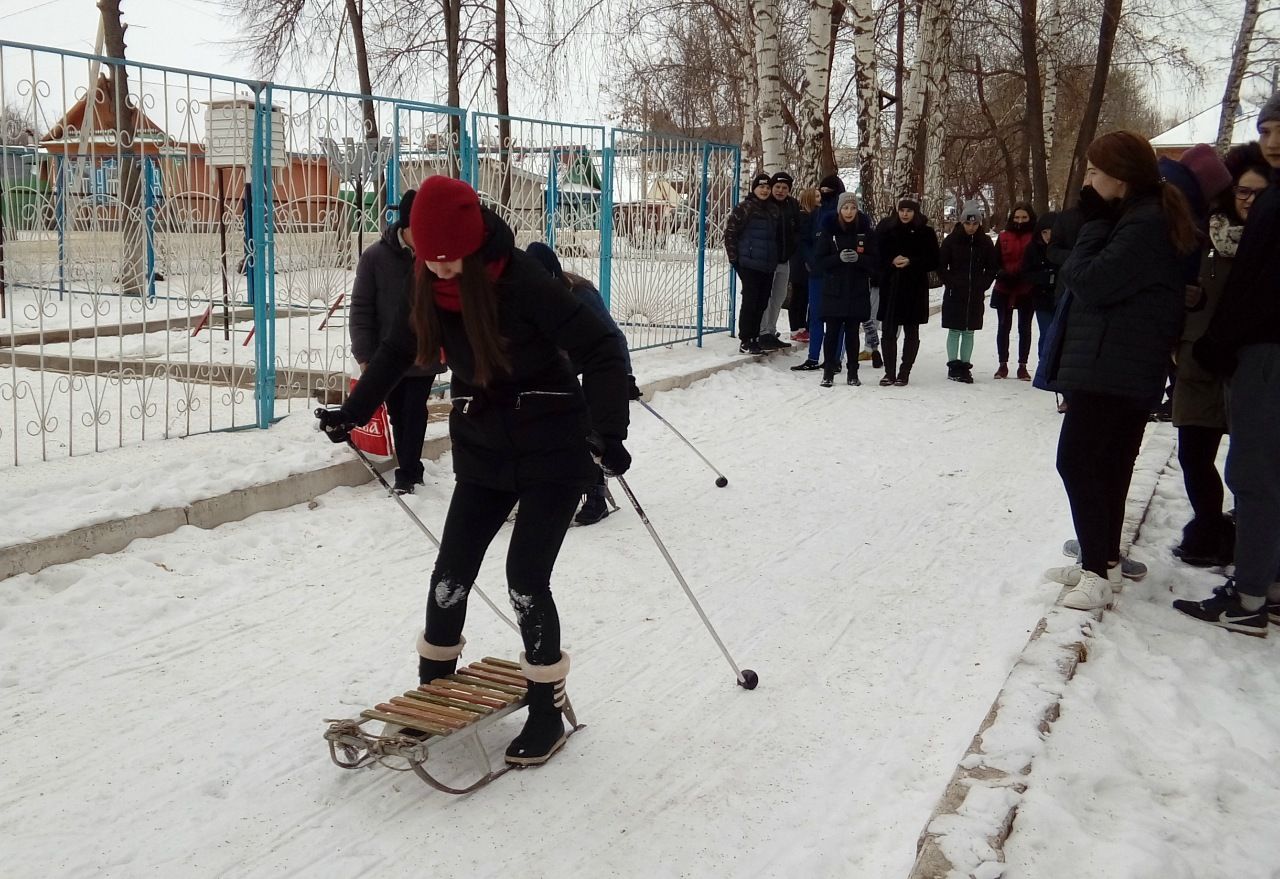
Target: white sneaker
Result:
[[1069, 575], [1090, 592]]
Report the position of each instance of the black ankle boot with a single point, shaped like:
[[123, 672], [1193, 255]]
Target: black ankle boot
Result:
[[435, 661], [544, 731], [593, 508]]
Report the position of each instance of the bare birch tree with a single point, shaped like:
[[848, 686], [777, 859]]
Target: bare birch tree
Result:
[[1235, 77], [817, 79], [769, 75], [1050, 55], [1111, 10], [935, 133], [905, 172], [867, 82], [1034, 117]]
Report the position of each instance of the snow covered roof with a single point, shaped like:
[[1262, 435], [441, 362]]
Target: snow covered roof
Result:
[[1203, 128]]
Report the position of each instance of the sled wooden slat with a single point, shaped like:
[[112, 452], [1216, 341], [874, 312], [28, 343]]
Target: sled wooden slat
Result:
[[465, 677], [462, 696], [437, 703], [404, 720], [503, 663], [478, 671], [423, 710], [514, 675]]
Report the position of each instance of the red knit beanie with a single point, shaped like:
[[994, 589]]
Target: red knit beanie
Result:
[[445, 220], [1207, 167]]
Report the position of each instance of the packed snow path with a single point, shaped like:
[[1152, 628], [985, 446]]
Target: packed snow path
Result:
[[875, 558]]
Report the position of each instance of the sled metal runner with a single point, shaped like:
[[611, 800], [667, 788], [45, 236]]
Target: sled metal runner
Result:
[[459, 706]]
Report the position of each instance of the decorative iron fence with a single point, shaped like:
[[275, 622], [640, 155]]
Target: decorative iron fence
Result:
[[177, 248]]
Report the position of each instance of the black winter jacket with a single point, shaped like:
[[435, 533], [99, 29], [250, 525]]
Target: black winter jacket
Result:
[[1066, 228], [967, 265], [904, 293], [788, 228], [380, 298], [751, 235], [1038, 270], [1126, 307], [530, 425], [1249, 313], [846, 286]]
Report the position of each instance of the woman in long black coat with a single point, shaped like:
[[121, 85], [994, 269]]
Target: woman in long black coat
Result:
[[908, 253], [967, 263], [523, 428], [846, 254]]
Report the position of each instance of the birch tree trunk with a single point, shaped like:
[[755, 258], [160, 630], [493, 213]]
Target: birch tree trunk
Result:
[[769, 76], [1239, 62], [905, 174], [750, 123], [813, 103], [935, 133], [868, 91], [1053, 46]]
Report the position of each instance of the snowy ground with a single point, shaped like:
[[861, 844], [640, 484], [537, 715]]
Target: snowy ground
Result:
[[875, 558]]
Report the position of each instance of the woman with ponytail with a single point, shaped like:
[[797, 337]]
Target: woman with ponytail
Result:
[[522, 428], [1116, 326]]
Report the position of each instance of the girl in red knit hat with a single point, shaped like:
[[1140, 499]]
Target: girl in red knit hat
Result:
[[523, 429]]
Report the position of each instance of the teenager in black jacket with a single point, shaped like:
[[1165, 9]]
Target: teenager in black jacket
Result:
[[1123, 315], [846, 252], [908, 252], [967, 263], [522, 427], [379, 305]]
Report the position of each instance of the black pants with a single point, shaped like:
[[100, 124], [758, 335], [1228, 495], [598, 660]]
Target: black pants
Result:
[[475, 515], [837, 331], [407, 406], [1198, 455], [756, 289], [798, 309], [1100, 438], [889, 346], [1004, 326]]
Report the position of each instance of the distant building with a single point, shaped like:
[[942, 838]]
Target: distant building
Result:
[[1203, 128]]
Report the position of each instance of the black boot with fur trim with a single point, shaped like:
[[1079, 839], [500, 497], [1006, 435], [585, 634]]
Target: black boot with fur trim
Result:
[[544, 731], [435, 661]]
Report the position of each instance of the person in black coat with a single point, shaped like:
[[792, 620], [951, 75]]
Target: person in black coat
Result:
[[1117, 322], [846, 251], [908, 253], [380, 304], [752, 243], [523, 428], [1042, 274], [967, 263], [787, 210], [1243, 343]]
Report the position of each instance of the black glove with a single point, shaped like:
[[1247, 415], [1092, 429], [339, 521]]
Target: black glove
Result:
[[336, 424], [1214, 356], [633, 390], [1093, 206], [610, 454]]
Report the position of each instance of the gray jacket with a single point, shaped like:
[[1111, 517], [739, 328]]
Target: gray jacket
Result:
[[1126, 309]]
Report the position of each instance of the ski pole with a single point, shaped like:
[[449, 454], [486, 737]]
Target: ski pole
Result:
[[747, 679], [425, 530], [721, 479]]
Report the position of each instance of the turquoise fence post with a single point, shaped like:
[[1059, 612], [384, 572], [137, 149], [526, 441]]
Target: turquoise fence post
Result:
[[702, 238], [393, 170], [149, 223], [606, 224], [553, 194], [263, 269], [470, 171]]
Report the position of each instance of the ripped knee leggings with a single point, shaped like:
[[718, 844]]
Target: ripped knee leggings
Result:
[[476, 514]]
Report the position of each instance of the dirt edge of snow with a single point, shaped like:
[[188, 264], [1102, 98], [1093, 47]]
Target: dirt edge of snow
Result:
[[965, 835]]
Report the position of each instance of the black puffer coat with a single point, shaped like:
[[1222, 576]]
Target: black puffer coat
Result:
[[380, 298], [967, 265], [752, 235], [530, 425], [1125, 310], [846, 286], [904, 293], [1040, 271]]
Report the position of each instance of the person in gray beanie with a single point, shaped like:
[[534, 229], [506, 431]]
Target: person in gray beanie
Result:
[[967, 264]]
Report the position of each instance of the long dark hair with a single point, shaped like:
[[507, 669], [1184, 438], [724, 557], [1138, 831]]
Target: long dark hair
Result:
[[1240, 160], [1021, 206], [1128, 157], [479, 298]]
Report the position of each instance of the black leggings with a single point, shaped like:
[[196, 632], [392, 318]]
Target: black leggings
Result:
[[889, 345], [837, 330], [407, 406], [1100, 438], [757, 287], [1004, 326], [798, 310], [1198, 455], [475, 515]]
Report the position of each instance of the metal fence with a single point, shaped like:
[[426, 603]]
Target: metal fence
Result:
[[177, 248]]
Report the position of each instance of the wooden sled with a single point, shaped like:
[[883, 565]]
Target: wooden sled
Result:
[[459, 706]]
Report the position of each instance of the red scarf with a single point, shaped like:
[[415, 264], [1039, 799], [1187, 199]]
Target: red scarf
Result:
[[448, 293]]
